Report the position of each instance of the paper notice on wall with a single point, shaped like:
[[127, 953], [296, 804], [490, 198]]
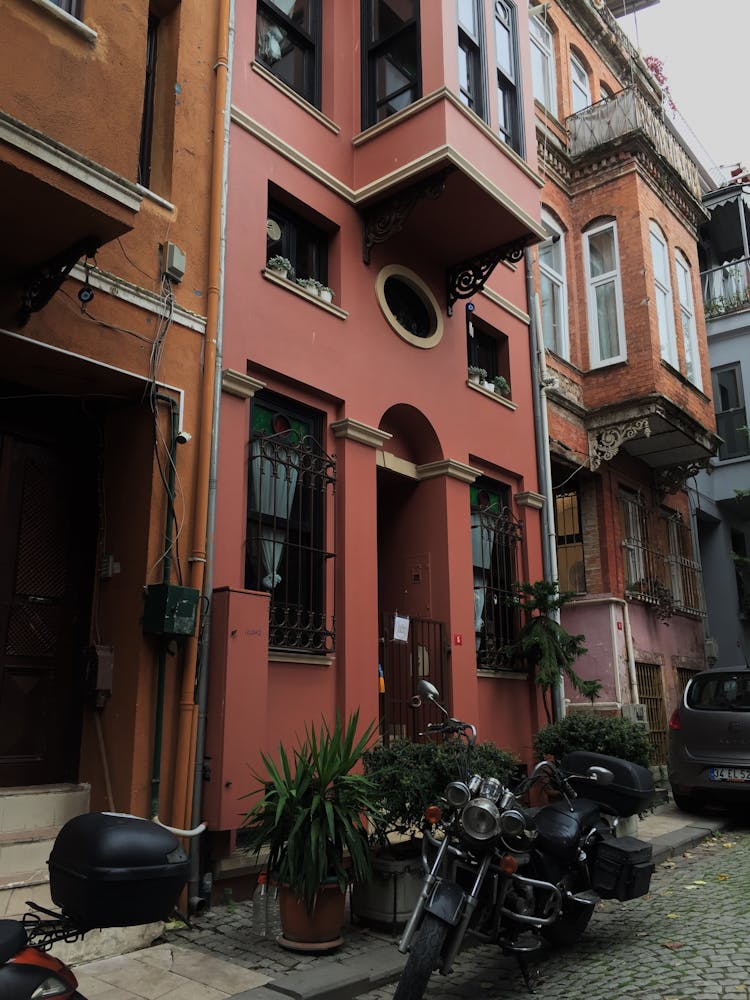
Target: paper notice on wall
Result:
[[400, 628]]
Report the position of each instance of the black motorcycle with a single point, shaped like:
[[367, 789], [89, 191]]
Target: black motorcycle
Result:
[[515, 875]]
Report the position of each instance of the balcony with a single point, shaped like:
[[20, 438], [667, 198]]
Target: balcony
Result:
[[726, 288], [628, 117]]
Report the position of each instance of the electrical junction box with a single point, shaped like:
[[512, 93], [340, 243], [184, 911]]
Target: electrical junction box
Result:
[[636, 714], [173, 261], [170, 610]]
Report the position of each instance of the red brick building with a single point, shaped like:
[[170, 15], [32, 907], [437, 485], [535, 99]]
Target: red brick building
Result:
[[620, 311]]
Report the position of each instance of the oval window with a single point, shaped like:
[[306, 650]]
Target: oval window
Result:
[[409, 306]]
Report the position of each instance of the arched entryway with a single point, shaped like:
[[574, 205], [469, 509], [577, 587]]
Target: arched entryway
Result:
[[412, 560]]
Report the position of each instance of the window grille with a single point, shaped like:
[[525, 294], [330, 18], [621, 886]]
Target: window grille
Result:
[[291, 489], [658, 558], [571, 571], [495, 537]]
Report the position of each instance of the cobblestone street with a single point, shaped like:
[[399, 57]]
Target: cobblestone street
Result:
[[688, 940]]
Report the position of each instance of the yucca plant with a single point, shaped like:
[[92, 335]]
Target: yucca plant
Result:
[[313, 809]]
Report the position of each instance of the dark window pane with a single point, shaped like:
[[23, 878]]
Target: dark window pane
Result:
[[408, 307], [389, 16], [298, 11], [280, 53]]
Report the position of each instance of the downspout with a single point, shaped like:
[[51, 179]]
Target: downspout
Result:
[[166, 575], [539, 381], [187, 718], [194, 898]]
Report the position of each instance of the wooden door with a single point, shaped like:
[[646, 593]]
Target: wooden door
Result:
[[42, 559]]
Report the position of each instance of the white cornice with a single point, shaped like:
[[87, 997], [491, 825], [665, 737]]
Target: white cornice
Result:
[[47, 150], [438, 156], [448, 467], [119, 288], [355, 430], [239, 384]]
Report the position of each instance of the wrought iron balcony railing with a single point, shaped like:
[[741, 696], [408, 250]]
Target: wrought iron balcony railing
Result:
[[627, 113], [726, 288]]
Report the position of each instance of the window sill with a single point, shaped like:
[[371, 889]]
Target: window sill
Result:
[[290, 286], [300, 101], [508, 403], [67, 19], [312, 659], [684, 379], [156, 198], [503, 675]]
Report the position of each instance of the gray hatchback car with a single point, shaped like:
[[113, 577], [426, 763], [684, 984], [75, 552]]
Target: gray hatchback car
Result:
[[709, 741]]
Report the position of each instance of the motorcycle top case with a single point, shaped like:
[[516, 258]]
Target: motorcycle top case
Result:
[[108, 870], [631, 792]]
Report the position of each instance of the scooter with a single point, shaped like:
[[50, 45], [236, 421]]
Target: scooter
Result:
[[106, 870]]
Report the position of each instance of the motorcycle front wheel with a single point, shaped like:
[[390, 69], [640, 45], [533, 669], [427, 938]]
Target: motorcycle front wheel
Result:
[[423, 959]]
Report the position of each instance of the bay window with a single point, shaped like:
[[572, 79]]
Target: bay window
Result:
[[606, 320]]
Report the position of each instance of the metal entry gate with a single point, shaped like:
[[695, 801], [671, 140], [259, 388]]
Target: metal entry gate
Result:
[[651, 694], [405, 663]]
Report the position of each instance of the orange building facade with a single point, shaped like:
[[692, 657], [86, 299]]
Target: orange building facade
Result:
[[620, 309], [107, 128], [370, 490]]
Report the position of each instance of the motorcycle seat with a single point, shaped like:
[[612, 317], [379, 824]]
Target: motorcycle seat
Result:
[[560, 828], [12, 939]]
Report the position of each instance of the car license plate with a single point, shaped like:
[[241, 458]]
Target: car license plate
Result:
[[729, 773]]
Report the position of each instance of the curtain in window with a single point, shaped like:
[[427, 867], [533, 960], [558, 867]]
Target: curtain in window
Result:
[[274, 473], [482, 542]]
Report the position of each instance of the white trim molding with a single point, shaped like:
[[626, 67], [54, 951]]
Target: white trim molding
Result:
[[47, 150], [238, 384], [67, 19], [355, 430]]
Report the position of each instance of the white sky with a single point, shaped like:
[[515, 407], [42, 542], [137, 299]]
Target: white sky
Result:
[[704, 48]]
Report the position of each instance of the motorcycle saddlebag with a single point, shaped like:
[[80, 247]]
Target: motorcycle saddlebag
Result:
[[622, 868], [109, 870], [631, 792]]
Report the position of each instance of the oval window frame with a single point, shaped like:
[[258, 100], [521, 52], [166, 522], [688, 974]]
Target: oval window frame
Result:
[[425, 294]]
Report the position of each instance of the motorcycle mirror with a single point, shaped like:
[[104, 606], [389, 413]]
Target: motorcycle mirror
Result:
[[427, 690], [415, 701], [601, 775]]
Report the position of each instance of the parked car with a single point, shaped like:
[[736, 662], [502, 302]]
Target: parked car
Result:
[[709, 740]]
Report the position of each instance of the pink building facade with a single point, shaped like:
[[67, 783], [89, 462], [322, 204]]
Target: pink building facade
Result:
[[375, 502]]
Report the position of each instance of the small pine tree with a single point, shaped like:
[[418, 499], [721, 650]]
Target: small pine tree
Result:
[[543, 645]]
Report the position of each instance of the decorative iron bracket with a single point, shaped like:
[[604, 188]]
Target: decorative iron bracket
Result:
[[674, 478], [42, 283], [468, 278], [387, 218], [605, 443]]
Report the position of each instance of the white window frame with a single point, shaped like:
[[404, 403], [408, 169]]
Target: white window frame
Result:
[[559, 280], [579, 84], [663, 294], [545, 90], [687, 319], [592, 283]]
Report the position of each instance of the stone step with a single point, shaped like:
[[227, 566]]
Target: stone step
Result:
[[25, 851], [41, 806], [18, 890]]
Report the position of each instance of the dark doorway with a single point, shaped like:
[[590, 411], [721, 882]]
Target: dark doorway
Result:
[[47, 544]]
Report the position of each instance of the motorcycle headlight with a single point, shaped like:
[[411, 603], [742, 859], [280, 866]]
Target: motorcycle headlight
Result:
[[457, 794], [512, 823], [481, 820]]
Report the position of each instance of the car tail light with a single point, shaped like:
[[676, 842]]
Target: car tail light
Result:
[[674, 722]]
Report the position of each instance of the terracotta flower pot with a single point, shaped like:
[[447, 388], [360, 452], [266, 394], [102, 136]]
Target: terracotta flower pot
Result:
[[318, 930]]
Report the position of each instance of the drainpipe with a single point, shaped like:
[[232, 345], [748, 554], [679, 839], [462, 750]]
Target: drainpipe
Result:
[[187, 718], [539, 382], [166, 574], [195, 901]]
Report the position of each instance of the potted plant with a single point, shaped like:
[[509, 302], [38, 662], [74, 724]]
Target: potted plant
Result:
[[311, 817], [406, 778], [281, 265], [326, 293], [310, 285], [476, 374], [500, 386]]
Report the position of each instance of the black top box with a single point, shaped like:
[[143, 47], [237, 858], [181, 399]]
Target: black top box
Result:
[[109, 870], [631, 792]]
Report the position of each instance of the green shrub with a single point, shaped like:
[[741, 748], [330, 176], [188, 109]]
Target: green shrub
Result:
[[408, 776], [597, 733]]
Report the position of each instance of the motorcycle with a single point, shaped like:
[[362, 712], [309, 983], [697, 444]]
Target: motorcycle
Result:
[[516, 875], [106, 870]]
